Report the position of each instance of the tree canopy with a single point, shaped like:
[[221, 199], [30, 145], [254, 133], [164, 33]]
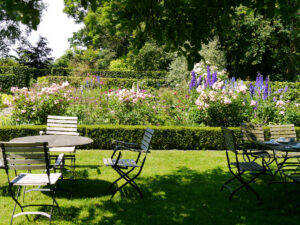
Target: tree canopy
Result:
[[182, 25]]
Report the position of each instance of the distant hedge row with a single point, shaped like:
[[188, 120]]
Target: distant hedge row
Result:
[[109, 82], [111, 74], [165, 137]]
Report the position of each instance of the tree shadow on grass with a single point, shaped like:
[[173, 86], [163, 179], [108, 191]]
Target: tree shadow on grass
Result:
[[190, 197]]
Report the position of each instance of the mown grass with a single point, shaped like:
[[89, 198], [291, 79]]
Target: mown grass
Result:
[[180, 187]]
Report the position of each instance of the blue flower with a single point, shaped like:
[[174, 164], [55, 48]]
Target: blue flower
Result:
[[286, 89], [208, 75], [251, 90], [214, 79], [199, 80], [193, 81], [266, 89]]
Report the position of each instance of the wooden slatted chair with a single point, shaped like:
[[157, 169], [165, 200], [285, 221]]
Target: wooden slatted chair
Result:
[[124, 167], [287, 131], [30, 157], [252, 133], [237, 168], [63, 125]]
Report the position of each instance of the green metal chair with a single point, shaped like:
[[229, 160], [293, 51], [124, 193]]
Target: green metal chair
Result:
[[29, 157], [239, 169], [124, 167]]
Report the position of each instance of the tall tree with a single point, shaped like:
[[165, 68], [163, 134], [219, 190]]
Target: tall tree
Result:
[[35, 56], [12, 14]]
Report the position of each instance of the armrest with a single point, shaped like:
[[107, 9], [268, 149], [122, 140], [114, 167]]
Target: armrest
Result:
[[124, 143], [59, 160]]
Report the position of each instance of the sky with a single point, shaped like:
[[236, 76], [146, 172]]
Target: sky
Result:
[[56, 27]]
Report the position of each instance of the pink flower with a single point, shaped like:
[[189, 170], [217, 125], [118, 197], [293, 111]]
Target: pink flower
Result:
[[227, 101], [282, 113], [253, 103], [23, 111]]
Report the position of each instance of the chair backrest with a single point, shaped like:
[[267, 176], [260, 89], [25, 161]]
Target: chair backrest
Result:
[[229, 139], [62, 125], [252, 132], [146, 141], [25, 156], [285, 130]]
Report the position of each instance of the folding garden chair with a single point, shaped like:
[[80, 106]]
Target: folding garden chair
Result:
[[251, 134], [29, 156], [124, 167], [237, 168], [63, 125]]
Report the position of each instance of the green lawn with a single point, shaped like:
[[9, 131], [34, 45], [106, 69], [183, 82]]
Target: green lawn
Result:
[[180, 187]]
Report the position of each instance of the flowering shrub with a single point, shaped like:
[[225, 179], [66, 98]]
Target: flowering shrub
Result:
[[33, 106]]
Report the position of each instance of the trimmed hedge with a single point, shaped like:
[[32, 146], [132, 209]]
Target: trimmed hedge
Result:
[[165, 137], [110, 82], [112, 74], [7, 81]]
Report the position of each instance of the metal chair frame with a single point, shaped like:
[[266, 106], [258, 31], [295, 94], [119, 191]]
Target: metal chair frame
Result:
[[29, 156], [121, 165], [237, 169]]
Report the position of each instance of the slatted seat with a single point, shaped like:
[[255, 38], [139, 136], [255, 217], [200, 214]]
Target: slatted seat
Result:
[[30, 157], [121, 165], [26, 179], [63, 125], [237, 168], [248, 166]]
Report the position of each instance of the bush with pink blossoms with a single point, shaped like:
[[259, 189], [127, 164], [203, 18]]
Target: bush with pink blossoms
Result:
[[34, 105]]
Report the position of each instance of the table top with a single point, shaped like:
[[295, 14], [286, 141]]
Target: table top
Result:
[[56, 140], [281, 146]]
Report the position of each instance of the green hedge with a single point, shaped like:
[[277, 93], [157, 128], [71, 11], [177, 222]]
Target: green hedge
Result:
[[112, 74], [7, 81], [171, 137], [22, 75], [110, 82]]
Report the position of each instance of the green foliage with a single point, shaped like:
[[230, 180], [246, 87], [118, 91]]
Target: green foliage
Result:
[[119, 65], [178, 71], [150, 57], [58, 71], [261, 44], [166, 137], [7, 81]]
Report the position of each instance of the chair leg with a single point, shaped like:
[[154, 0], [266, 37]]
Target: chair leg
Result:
[[128, 180], [16, 203]]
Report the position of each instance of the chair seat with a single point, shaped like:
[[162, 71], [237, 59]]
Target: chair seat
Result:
[[35, 179], [121, 163], [248, 166], [63, 149]]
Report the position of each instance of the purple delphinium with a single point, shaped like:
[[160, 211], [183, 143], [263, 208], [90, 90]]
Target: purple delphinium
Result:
[[205, 83], [193, 81], [214, 79], [98, 79], [199, 80], [286, 89], [232, 80], [251, 90], [266, 89], [87, 83], [259, 81], [208, 75], [274, 99]]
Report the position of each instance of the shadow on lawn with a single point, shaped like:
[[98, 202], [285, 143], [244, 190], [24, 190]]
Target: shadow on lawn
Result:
[[189, 197]]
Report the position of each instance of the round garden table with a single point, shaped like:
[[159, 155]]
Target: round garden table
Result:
[[56, 140]]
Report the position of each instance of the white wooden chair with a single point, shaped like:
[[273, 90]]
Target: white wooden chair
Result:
[[30, 157], [63, 125]]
